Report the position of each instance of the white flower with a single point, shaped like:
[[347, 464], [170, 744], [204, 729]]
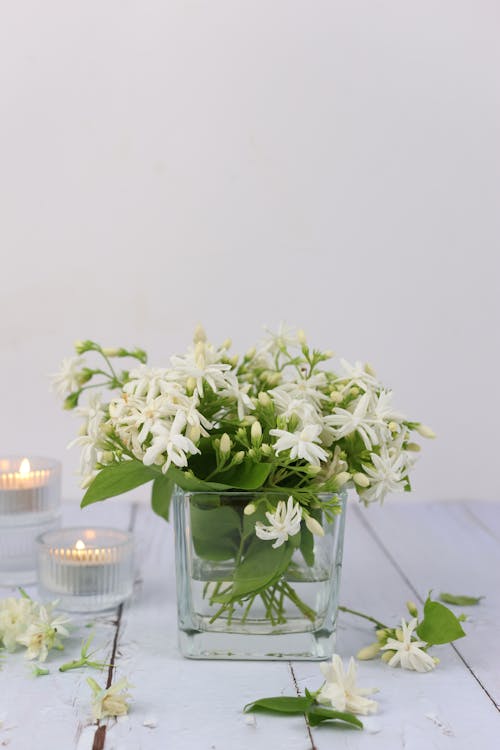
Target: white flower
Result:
[[16, 615], [307, 388], [112, 701], [147, 381], [201, 363], [43, 633], [340, 689], [284, 522], [67, 380], [288, 405], [168, 438], [346, 422], [409, 653], [358, 375], [91, 439], [302, 444], [286, 336], [239, 393], [386, 475]]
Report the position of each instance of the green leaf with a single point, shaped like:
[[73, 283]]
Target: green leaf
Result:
[[317, 714], [193, 484], [116, 479], [245, 476], [161, 495], [462, 600], [439, 624], [282, 704], [261, 566], [307, 545], [215, 531]]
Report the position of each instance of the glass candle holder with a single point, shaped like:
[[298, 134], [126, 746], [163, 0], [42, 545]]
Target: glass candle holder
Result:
[[30, 500], [85, 569]]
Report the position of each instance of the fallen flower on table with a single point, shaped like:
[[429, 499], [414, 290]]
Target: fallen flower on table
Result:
[[43, 633], [112, 701], [407, 645], [336, 701], [24, 622], [340, 689]]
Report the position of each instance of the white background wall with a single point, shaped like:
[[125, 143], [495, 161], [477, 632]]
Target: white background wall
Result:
[[332, 164]]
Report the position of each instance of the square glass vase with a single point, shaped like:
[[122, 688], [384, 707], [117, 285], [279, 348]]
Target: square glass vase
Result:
[[239, 597]]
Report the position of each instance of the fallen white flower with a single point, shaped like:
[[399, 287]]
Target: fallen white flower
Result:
[[112, 701], [408, 653], [340, 689]]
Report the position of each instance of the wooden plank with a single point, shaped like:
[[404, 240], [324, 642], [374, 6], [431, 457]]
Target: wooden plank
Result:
[[416, 710], [439, 546], [53, 711], [486, 515]]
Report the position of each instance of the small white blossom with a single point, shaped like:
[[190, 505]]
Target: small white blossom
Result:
[[16, 615], [358, 375], [340, 689], [284, 522], [168, 438], [302, 444], [409, 653], [386, 475], [112, 701], [345, 421], [67, 380], [43, 633]]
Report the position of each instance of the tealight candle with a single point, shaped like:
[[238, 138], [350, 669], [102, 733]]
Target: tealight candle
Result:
[[30, 500], [87, 570]]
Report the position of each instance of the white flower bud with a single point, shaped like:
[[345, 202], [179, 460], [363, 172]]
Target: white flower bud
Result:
[[425, 431], [329, 353], [250, 353], [412, 609], [199, 334], [266, 449], [354, 391], [369, 370], [413, 447], [225, 445], [250, 509], [369, 652], [109, 352], [234, 360], [387, 656], [190, 384], [265, 399], [193, 433], [227, 344], [256, 433], [238, 457], [393, 426], [301, 337], [342, 478], [336, 397], [314, 526], [361, 479], [107, 457]]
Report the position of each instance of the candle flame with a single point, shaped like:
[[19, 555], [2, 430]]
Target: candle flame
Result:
[[80, 544], [24, 468]]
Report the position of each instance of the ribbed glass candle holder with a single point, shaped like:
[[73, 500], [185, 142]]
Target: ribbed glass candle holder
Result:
[[86, 569], [30, 499]]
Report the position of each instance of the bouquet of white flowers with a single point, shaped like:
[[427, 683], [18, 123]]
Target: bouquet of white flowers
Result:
[[274, 421]]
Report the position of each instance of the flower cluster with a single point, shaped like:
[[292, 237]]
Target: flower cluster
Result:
[[209, 413], [407, 645], [24, 622]]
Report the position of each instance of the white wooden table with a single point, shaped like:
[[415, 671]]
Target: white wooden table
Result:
[[392, 554]]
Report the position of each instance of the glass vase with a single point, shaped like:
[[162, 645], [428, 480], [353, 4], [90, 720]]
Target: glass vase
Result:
[[240, 597]]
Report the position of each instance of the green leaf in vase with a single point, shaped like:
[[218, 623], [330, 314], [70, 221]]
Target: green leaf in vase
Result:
[[216, 531], [245, 476], [261, 566]]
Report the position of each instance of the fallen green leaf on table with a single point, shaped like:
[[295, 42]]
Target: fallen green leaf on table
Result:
[[461, 600]]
